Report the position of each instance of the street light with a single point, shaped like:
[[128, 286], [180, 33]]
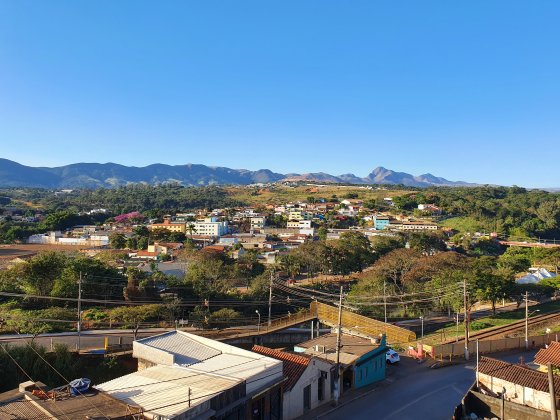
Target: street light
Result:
[[259, 324], [422, 319], [527, 315]]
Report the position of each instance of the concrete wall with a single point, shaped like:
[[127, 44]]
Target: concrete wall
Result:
[[488, 346], [486, 406], [517, 393], [293, 400], [151, 354]]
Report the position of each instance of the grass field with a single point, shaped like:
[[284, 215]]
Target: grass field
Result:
[[280, 194]]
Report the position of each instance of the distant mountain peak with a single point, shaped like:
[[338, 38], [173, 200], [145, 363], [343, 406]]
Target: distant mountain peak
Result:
[[110, 175]]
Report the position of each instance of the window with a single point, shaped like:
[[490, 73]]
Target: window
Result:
[[307, 398]]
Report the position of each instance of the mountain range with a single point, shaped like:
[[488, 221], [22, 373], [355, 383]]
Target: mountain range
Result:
[[108, 175]]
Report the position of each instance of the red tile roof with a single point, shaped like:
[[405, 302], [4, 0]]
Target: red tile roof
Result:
[[549, 355], [517, 374], [294, 365]]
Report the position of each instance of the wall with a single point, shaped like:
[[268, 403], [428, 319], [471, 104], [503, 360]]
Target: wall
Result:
[[488, 346], [293, 400], [488, 407], [517, 393], [370, 371]]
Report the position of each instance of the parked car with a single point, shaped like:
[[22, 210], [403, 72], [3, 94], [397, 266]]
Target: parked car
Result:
[[392, 356]]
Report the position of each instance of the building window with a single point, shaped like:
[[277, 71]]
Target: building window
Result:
[[307, 398]]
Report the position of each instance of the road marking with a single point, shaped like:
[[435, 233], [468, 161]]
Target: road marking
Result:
[[417, 400]]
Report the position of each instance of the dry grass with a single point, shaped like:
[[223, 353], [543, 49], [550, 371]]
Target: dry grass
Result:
[[277, 195]]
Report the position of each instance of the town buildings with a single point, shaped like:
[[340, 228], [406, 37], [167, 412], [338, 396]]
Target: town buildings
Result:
[[184, 376]]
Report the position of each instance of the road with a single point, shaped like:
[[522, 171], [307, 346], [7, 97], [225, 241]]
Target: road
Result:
[[91, 339], [413, 391]]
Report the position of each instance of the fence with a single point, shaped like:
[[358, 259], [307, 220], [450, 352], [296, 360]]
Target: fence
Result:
[[445, 351], [361, 324]]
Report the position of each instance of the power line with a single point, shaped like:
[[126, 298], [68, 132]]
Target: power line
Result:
[[67, 381], [31, 379]]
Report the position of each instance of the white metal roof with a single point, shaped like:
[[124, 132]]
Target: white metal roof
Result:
[[256, 371], [185, 350], [164, 390]]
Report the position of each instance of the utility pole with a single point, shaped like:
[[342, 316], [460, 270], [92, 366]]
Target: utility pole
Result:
[[338, 383], [270, 299], [466, 320], [79, 310], [457, 330], [553, 413], [526, 320], [385, 298]]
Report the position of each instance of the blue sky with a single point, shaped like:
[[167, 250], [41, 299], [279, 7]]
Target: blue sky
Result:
[[464, 90]]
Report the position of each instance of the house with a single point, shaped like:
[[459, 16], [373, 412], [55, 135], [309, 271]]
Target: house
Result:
[[299, 214], [363, 359], [412, 226], [31, 401], [381, 222], [299, 224], [179, 227], [164, 248], [551, 355], [430, 209], [522, 385], [257, 222], [308, 381], [184, 376]]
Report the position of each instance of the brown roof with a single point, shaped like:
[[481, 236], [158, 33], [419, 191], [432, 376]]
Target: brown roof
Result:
[[517, 374], [294, 365], [215, 248], [146, 254], [351, 344], [549, 355]]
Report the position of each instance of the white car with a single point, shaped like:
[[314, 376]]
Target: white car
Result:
[[392, 356]]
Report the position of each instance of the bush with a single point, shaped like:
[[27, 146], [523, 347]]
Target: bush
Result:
[[479, 325]]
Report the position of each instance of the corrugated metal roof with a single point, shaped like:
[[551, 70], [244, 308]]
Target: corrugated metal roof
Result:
[[186, 351], [249, 369], [164, 390]]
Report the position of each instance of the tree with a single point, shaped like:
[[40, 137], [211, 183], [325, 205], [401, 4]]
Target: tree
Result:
[[117, 241], [427, 243], [209, 277], [38, 275], [223, 318], [322, 233], [133, 316]]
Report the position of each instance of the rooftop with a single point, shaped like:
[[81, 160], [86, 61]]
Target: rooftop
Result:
[[24, 405], [164, 390], [294, 365], [517, 374], [178, 348], [353, 347], [549, 355]]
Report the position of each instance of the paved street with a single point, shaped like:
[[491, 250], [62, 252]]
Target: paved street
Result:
[[413, 391], [91, 339]]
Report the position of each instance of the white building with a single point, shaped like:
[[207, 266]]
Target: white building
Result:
[[211, 226], [299, 224], [184, 376], [257, 222], [308, 381]]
